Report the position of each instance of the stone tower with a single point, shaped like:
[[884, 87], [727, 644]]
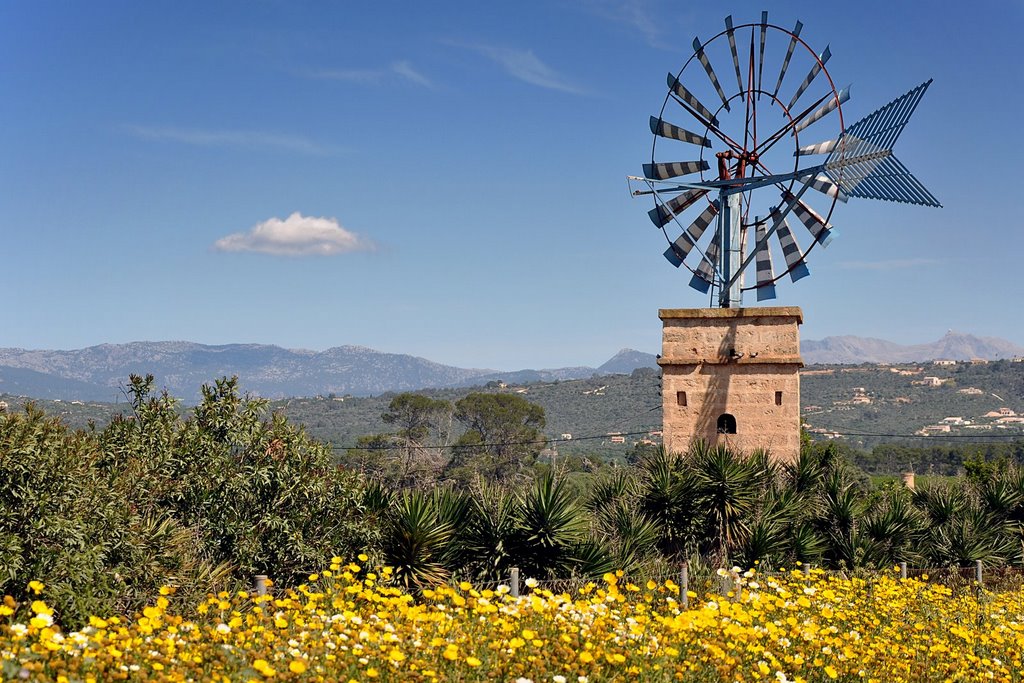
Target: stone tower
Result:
[[731, 376]]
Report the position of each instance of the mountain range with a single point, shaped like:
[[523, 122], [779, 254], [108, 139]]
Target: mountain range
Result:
[[97, 373]]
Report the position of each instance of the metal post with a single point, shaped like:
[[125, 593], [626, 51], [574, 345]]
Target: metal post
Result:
[[977, 574], [261, 584], [903, 570], [730, 293], [807, 570], [515, 582], [684, 585]]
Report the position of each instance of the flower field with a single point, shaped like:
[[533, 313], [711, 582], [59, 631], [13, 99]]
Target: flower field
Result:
[[348, 624]]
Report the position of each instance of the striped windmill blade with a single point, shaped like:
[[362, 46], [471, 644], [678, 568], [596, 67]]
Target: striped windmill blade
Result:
[[673, 169], [822, 183], [815, 224], [663, 213], [764, 36], [690, 100], [706, 63], [705, 273], [790, 249], [763, 259], [681, 247], [665, 129], [789, 56], [824, 147], [735, 55], [824, 110], [815, 70]]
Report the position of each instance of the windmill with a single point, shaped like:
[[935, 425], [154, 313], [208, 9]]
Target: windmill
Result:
[[765, 165], [757, 188]]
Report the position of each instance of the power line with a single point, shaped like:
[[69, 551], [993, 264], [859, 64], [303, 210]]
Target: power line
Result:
[[387, 447], [933, 436]]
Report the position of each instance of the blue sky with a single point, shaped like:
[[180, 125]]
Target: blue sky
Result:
[[448, 179]]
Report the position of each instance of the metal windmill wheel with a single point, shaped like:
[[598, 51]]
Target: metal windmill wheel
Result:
[[746, 154]]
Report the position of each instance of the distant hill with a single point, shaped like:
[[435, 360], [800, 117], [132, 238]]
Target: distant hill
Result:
[[628, 360], [97, 372], [953, 346]]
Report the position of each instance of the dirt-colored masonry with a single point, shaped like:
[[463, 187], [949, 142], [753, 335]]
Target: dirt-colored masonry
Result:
[[731, 376]]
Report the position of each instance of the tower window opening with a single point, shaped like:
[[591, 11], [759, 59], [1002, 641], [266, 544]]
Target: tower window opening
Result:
[[778, 398], [681, 398], [726, 424]]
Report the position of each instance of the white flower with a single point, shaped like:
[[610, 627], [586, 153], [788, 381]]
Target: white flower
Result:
[[223, 628], [530, 583], [558, 678], [582, 679], [521, 679]]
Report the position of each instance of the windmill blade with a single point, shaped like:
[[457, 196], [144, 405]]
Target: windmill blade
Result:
[[824, 110], [822, 183], [815, 70], [790, 250], [815, 224], [789, 56], [705, 273], [665, 129], [706, 63], [735, 55], [765, 273], [680, 249], [688, 98], [673, 169], [760, 66], [663, 213], [825, 147]]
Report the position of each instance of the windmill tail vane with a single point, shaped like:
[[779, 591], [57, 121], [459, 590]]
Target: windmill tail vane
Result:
[[728, 244], [862, 163]]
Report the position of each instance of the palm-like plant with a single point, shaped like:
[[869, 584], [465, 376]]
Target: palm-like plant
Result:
[[489, 538], [731, 485], [416, 542], [670, 495], [551, 526]]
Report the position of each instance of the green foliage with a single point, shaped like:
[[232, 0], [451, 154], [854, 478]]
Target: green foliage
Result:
[[502, 438], [104, 518]]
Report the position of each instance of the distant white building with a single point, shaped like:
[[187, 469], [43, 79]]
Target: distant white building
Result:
[[943, 361]]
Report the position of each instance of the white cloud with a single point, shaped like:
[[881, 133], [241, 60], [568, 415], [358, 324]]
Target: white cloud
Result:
[[527, 67], [406, 70], [296, 235], [229, 138], [890, 264], [636, 15], [402, 69]]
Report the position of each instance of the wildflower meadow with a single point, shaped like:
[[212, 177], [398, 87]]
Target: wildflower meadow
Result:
[[349, 623]]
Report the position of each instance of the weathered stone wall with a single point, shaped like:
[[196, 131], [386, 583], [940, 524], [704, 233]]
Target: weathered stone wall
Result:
[[742, 362]]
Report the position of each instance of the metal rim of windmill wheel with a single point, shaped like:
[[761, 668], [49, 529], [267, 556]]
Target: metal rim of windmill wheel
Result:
[[742, 146]]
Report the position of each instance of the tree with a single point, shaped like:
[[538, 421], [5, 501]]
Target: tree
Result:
[[418, 418], [502, 438]]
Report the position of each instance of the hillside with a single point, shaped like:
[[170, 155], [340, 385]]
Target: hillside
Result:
[[867, 404], [97, 372], [954, 346]]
